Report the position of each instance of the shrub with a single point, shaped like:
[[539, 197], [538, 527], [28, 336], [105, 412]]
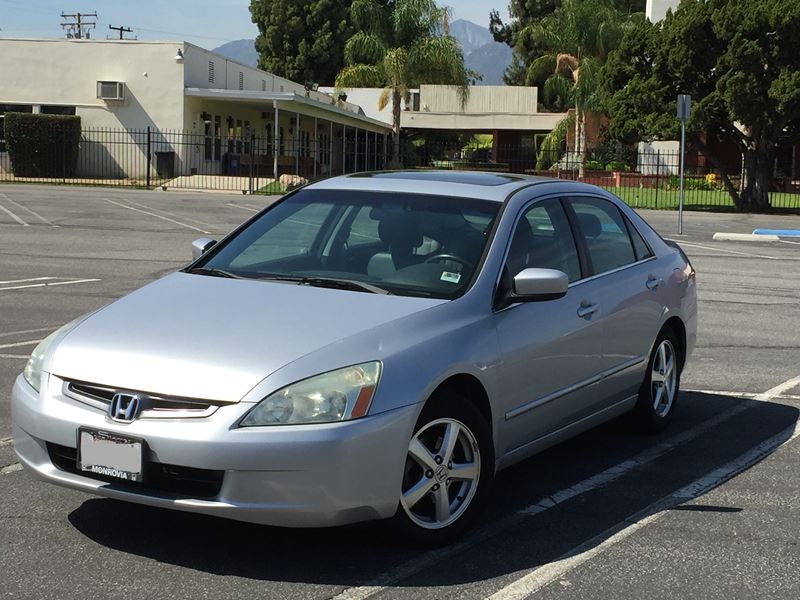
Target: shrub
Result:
[[617, 165], [43, 145], [593, 165]]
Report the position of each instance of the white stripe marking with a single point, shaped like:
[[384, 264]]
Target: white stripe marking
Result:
[[27, 280], [692, 244], [152, 214], [33, 212], [253, 210], [537, 579], [426, 559], [19, 344], [48, 284], [39, 330], [18, 356], [6, 442], [166, 212], [11, 469], [13, 216]]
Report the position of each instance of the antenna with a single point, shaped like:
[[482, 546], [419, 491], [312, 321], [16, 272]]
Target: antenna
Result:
[[122, 31], [76, 26]]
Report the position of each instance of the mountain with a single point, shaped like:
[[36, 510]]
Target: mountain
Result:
[[243, 51], [481, 53]]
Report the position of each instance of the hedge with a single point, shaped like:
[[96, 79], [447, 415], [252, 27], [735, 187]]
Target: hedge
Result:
[[42, 145]]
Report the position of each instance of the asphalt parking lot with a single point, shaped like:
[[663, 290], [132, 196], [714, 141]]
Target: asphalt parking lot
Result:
[[709, 509]]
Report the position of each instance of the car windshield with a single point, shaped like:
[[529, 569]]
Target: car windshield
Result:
[[374, 242]]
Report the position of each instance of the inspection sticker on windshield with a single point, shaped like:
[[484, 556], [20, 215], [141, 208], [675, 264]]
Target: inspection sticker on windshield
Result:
[[451, 277]]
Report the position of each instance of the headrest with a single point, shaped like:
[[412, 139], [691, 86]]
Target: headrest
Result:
[[398, 228], [590, 225]]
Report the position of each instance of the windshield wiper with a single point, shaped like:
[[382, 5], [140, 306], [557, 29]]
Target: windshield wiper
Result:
[[213, 272], [329, 282]]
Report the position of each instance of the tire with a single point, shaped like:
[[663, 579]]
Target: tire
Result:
[[658, 395], [440, 499]]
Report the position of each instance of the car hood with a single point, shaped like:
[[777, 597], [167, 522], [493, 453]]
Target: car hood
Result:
[[213, 338]]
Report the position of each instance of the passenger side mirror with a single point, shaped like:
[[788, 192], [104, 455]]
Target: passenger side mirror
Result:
[[534, 285], [201, 246]]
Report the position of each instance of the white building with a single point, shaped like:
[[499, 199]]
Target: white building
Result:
[[206, 114], [656, 10]]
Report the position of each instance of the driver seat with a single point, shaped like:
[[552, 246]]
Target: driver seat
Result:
[[401, 232]]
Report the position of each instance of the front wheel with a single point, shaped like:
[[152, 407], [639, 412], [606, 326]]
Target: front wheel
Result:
[[449, 467], [658, 395]]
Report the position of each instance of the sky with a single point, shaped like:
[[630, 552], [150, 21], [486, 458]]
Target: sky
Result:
[[207, 23]]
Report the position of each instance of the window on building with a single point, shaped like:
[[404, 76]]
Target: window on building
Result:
[[7, 108], [241, 80], [247, 135], [57, 110], [237, 133], [213, 143], [211, 71], [282, 142], [263, 85]]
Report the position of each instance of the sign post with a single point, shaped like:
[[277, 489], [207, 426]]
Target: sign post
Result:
[[684, 110]]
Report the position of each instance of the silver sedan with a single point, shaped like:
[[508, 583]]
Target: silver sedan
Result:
[[371, 346]]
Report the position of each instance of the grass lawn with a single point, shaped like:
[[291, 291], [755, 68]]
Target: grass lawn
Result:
[[271, 189], [695, 199]]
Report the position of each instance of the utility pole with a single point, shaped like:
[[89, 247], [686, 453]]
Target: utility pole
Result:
[[76, 26], [684, 112], [122, 31]]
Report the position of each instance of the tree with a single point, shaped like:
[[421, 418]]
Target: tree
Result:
[[576, 39], [397, 47], [302, 40], [740, 62]]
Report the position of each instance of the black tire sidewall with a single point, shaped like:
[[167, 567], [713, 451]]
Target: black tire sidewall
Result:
[[644, 414]]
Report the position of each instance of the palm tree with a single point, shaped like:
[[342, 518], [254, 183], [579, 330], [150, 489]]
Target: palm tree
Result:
[[579, 35], [400, 45]]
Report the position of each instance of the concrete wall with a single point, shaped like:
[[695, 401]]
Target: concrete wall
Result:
[[482, 99]]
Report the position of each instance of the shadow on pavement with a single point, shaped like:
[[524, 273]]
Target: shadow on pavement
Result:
[[356, 555]]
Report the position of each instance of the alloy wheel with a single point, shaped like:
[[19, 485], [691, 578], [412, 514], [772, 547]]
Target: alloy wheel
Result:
[[441, 475], [663, 378]]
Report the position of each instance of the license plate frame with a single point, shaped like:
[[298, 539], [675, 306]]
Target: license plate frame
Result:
[[123, 455]]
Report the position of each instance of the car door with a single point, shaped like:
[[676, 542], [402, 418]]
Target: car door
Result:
[[629, 289], [550, 350]]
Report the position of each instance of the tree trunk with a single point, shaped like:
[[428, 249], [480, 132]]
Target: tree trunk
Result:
[[396, 162], [582, 149], [576, 142], [759, 162]]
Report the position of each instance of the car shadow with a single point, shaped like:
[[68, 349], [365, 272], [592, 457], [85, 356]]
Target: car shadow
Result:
[[509, 541]]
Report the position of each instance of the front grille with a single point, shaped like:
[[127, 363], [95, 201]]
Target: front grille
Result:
[[159, 478], [100, 397]]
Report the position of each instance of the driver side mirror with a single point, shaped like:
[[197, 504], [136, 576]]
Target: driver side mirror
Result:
[[535, 285], [201, 246]]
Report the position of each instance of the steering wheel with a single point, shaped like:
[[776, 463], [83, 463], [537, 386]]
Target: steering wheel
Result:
[[453, 257]]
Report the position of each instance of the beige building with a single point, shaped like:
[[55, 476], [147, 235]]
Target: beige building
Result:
[[206, 114], [656, 10]]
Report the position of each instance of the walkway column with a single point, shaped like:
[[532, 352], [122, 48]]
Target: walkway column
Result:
[[344, 149], [366, 150], [276, 140], [297, 147], [330, 153], [385, 150], [316, 147]]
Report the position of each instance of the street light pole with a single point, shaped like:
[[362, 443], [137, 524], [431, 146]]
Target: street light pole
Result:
[[684, 110]]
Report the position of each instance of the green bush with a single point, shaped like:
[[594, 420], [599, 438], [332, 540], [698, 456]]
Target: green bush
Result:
[[43, 145], [593, 165], [617, 165]]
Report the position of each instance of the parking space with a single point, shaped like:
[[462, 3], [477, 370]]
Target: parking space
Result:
[[708, 509]]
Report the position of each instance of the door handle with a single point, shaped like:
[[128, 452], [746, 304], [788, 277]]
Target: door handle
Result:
[[587, 310], [653, 282]]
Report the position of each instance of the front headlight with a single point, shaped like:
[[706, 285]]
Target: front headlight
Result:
[[335, 396], [33, 370]]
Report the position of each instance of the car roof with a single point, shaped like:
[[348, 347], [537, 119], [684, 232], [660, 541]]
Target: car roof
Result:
[[468, 184]]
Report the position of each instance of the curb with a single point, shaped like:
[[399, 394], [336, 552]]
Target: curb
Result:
[[779, 232], [745, 237]]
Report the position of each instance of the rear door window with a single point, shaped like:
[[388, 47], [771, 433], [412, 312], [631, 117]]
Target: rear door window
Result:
[[605, 233]]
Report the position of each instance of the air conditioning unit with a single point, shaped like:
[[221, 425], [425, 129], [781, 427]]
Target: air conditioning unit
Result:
[[111, 90]]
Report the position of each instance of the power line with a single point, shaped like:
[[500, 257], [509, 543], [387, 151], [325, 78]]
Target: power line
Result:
[[78, 28]]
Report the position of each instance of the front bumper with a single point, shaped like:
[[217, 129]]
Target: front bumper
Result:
[[293, 476]]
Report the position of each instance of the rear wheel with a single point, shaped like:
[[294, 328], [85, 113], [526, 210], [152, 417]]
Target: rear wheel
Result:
[[658, 395], [449, 467]]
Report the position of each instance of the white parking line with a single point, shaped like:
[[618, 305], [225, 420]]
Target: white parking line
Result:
[[247, 208], [17, 356], [20, 344], [166, 212], [27, 280], [24, 331], [11, 469], [25, 208], [152, 214], [726, 251], [538, 578], [47, 284], [426, 559], [13, 216]]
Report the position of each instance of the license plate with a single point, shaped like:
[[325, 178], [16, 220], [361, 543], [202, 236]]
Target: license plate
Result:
[[110, 454]]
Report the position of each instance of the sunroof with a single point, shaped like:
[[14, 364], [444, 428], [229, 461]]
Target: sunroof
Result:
[[470, 178]]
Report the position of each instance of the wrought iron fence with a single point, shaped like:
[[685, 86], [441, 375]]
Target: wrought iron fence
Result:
[[151, 158]]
